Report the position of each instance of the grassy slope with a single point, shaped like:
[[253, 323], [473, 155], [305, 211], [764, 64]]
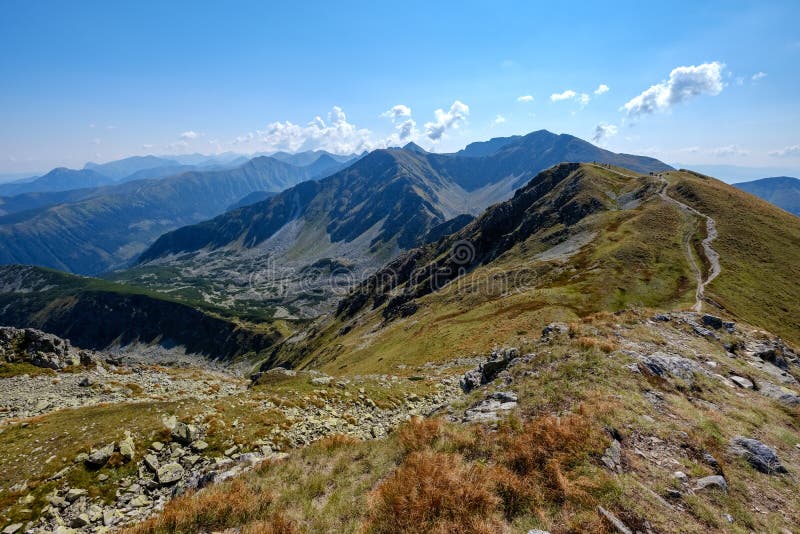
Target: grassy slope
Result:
[[635, 259], [537, 471], [759, 253]]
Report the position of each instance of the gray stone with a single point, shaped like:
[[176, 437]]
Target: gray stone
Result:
[[183, 433], [713, 482], [80, 521], [712, 321], [127, 448], [140, 501], [741, 381], [74, 494], [151, 462], [12, 529], [618, 525], [759, 455], [170, 473], [99, 457], [321, 380], [199, 445], [85, 382]]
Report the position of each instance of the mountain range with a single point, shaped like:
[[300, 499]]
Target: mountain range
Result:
[[783, 191], [386, 202], [93, 230]]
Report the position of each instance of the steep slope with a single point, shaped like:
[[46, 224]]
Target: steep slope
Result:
[[106, 231], [385, 203], [783, 191], [577, 240], [95, 314], [33, 201], [60, 179]]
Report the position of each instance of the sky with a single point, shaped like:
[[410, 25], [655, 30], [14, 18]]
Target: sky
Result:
[[712, 83]]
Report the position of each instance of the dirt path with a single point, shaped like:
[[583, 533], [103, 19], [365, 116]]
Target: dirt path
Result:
[[711, 254], [711, 234]]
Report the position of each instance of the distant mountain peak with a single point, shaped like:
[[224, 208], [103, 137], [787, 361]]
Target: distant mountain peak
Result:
[[413, 147]]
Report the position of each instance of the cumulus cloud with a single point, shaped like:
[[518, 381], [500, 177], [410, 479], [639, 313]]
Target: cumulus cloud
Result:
[[525, 98], [566, 95], [758, 76], [786, 152], [397, 111], [569, 94], [601, 89], [603, 131], [446, 120], [337, 135], [499, 119], [683, 83], [189, 135]]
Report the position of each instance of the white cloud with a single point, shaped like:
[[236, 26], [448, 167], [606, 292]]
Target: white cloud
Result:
[[337, 135], [525, 98], [147, 147], [786, 152], [569, 94], [499, 119], [566, 95], [758, 76], [601, 89], [683, 84], [446, 120], [97, 140], [189, 135], [728, 151], [397, 111], [603, 131]]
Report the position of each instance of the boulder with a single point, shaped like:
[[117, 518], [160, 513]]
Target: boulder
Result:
[[488, 370], [712, 482], [99, 457], [759, 455], [85, 382], [127, 448], [169, 474], [185, 433], [712, 321], [73, 494]]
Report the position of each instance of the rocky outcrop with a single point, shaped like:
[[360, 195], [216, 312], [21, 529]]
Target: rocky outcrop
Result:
[[28, 345], [759, 455]]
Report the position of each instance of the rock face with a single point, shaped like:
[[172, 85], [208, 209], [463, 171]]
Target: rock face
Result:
[[488, 370], [757, 454], [28, 345]]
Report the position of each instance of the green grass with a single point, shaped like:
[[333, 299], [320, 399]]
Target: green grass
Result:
[[758, 250]]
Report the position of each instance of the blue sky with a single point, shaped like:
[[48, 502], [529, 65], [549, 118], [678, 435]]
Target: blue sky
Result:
[[715, 83]]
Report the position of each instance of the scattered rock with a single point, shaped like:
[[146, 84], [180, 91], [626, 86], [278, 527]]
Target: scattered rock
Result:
[[712, 321], [741, 381], [74, 494], [99, 457], [12, 529], [127, 448], [680, 475], [612, 457], [184, 433], [199, 445], [713, 482], [85, 382], [488, 370], [170, 473], [321, 380], [151, 462], [759, 455], [618, 525]]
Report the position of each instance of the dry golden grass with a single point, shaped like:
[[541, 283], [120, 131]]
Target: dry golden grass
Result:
[[468, 480], [435, 492], [231, 504]]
